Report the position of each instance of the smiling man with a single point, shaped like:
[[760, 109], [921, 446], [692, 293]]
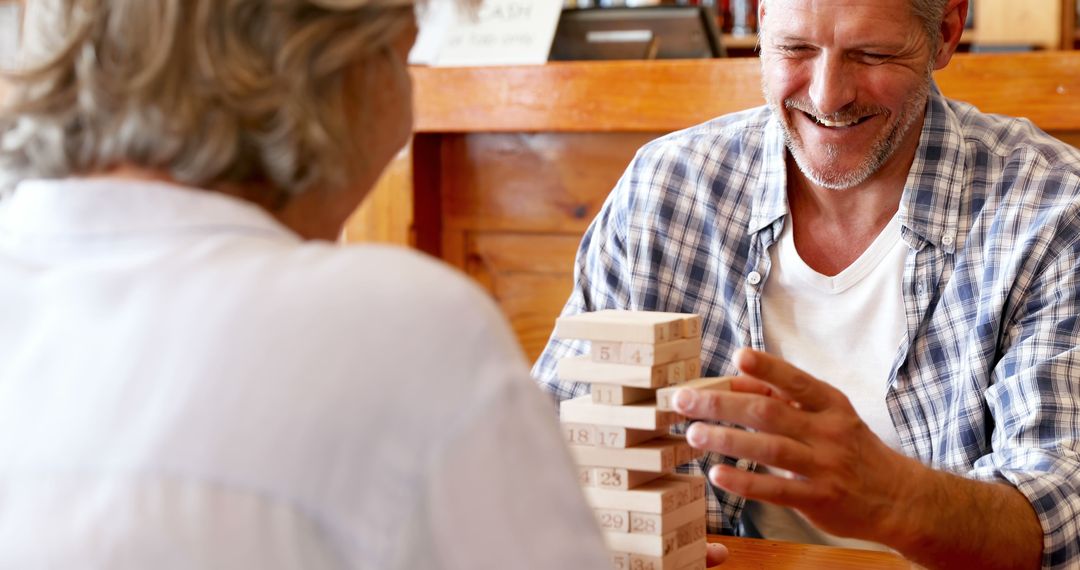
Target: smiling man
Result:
[[893, 279]]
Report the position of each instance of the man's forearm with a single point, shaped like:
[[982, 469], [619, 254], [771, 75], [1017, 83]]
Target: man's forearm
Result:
[[953, 522]]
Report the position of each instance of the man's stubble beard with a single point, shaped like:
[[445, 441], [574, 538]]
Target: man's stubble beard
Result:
[[880, 152]]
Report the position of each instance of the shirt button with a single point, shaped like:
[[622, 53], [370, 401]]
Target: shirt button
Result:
[[946, 240], [754, 278], [742, 464]]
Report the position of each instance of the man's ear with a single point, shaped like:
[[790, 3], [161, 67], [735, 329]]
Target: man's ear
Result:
[[952, 28]]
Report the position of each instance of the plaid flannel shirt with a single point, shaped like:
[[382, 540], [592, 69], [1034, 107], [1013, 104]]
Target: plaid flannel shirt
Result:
[[986, 382]]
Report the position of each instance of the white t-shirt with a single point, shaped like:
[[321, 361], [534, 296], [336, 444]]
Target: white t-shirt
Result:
[[186, 384], [845, 330]]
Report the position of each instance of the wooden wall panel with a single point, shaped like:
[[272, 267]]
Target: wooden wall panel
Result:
[[531, 181], [530, 276], [385, 216], [1019, 22]]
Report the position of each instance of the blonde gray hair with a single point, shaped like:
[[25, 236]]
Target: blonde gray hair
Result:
[[209, 91]]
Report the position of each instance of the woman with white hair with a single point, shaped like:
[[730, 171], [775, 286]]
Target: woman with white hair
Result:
[[186, 381]]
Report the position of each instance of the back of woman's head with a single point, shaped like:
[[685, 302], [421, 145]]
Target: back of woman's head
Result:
[[208, 91]]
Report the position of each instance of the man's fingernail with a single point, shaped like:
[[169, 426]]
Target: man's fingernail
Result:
[[684, 399], [695, 434]]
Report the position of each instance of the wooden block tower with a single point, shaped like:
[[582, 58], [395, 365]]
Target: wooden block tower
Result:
[[653, 518]]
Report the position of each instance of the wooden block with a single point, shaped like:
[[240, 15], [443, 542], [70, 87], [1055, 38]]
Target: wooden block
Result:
[[690, 533], [685, 454], [620, 560], [696, 483], [656, 455], [653, 523], [616, 395], [691, 326], [663, 495], [690, 556], [613, 520], [612, 436], [579, 434], [646, 544], [623, 326], [664, 395], [605, 351], [676, 373], [583, 369], [619, 478], [692, 368], [643, 416], [643, 354], [585, 478]]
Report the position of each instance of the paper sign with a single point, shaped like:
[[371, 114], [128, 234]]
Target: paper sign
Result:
[[500, 32], [10, 18]]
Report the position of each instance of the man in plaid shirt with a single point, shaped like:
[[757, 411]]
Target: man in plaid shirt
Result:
[[911, 265]]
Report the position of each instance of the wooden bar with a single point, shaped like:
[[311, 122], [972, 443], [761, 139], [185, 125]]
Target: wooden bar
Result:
[[647, 96]]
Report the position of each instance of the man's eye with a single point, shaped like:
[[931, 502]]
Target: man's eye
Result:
[[874, 58], [794, 49]]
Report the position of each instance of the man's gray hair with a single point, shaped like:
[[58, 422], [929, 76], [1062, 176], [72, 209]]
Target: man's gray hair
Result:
[[210, 91], [930, 13]]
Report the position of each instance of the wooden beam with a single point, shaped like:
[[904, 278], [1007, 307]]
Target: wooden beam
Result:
[[652, 96]]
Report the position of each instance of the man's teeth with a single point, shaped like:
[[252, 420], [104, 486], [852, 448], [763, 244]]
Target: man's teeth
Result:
[[833, 125]]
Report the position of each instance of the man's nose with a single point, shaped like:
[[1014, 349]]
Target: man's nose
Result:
[[831, 88]]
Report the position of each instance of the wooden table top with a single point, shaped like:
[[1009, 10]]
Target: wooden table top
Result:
[[755, 554]]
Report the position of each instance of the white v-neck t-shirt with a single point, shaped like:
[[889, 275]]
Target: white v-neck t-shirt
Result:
[[843, 329]]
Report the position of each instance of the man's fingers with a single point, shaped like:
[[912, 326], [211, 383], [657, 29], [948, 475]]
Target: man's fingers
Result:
[[749, 410], [772, 450], [796, 385], [792, 493]]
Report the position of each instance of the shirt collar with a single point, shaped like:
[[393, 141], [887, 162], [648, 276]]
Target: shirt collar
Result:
[[771, 204], [929, 206], [106, 207]]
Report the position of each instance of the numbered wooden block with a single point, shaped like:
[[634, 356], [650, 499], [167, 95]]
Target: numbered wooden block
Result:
[[644, 416], [583, 369], [605, 351], [663, 495], [692, 368], [685, 558], [643, 544], [690, 533], [619, 478], [622, 326], [613, 520], [579, 434], [696, 483], [664, 395], [585, 478], [620, 437], [620, 560], [676, 372], [655, 455], [677, 520], [616, 395], [686, 453], [691, 326], [643, 354]]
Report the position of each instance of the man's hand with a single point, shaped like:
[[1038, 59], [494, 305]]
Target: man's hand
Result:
[[846, 480]]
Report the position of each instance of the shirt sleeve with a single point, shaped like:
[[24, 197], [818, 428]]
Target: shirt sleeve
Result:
[[1035, 403], [503, 492]]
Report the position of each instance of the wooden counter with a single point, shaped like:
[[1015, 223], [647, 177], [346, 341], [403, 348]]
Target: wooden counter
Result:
[[509, 165], [754, 554]]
